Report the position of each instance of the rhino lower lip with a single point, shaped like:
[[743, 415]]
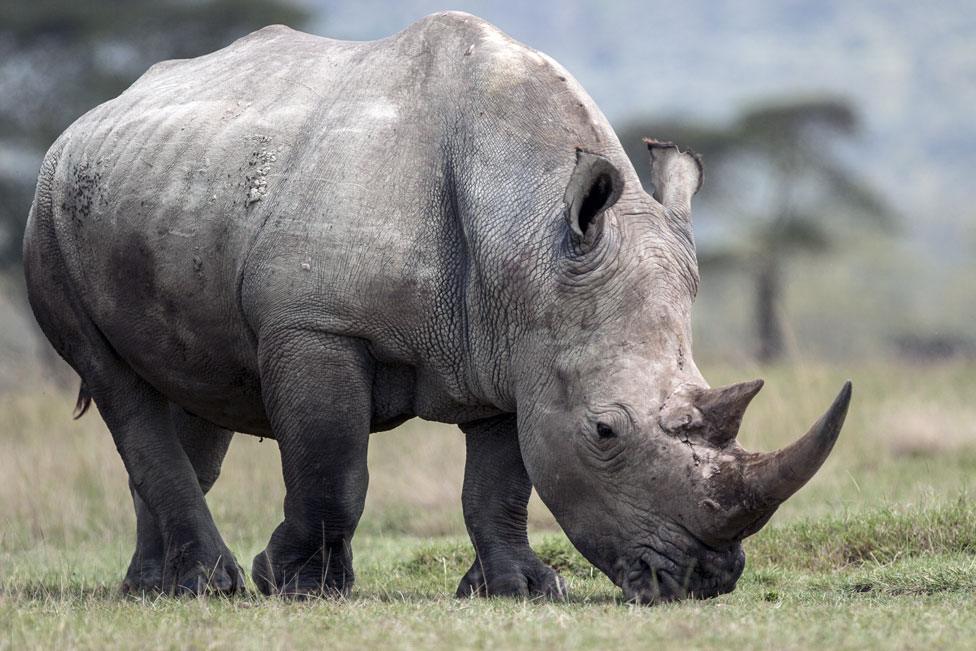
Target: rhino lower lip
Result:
[[648, 585], [655, 577], [644, 584]]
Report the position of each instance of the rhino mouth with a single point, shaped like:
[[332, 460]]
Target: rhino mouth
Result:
[[665, 571]]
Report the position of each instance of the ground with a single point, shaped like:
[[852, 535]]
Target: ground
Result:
[[878, 551]]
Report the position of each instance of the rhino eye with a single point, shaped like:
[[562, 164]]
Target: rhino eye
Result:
[[605, 431]]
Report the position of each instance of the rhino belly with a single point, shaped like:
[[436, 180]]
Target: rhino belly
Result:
[[182, 334]]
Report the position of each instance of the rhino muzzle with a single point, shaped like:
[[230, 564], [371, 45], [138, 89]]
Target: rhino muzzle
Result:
[[741, 496], [676, 565]]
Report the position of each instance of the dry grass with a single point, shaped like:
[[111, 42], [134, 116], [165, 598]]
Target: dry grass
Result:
[[878, 549], [928, 428]]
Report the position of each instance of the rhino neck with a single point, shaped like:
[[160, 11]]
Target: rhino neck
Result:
[[616, 317], [504, 263], [505, 179]]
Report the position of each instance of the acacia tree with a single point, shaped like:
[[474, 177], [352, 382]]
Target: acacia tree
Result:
[[775, 171]]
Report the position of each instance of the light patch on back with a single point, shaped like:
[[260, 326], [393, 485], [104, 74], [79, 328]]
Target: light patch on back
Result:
[[513, 58], [381, 109], [574, 89], [506, 49]]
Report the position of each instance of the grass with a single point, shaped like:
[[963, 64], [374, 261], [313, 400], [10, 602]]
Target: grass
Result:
[[878, 551]]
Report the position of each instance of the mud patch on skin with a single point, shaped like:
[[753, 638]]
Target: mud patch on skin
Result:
[[81, 204], [132, 264], [258, 168]]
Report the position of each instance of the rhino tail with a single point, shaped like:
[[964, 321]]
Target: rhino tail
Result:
[[83, 402]]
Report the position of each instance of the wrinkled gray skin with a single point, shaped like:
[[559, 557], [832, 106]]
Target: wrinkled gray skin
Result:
[[312, 240]]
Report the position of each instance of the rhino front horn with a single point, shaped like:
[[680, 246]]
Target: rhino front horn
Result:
[[777, 475]]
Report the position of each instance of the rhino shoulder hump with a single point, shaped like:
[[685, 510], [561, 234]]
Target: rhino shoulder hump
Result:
[[448, 28], [267, 33], [160, 67]]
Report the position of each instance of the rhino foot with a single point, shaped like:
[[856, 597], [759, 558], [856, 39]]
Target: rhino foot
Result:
[[224, 578], [195, 569], [144, 576], [527, 579], [191, 568], [300, 578], [186, 577]]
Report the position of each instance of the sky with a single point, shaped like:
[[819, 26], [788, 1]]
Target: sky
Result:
[[909, 67]]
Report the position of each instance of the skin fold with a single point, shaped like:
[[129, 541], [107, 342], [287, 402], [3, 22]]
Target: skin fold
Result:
[[313, 240]]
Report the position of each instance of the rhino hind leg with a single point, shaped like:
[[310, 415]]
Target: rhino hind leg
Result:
[[317, 393], [205, 445], [195, 558], [495, 496]]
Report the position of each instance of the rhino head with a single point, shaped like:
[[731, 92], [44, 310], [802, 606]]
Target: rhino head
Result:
[[624, 440]]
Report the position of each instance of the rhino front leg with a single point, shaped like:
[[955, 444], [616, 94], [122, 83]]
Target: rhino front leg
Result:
[[495, 495], [205, 446], [317, 391]]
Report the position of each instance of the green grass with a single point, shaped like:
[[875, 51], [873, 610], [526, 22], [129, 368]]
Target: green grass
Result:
[[878, 552]]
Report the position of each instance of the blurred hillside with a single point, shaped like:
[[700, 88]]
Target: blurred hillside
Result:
[[907, 71]]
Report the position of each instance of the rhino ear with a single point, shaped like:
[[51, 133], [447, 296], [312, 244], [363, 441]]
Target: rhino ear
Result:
[[594, 186], [676, 175]]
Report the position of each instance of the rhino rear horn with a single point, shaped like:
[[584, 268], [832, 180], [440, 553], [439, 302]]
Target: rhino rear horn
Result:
[[677, 175], [722, 409]]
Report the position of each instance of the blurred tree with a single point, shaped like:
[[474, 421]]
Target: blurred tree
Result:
[[776, 169], [59, 58]]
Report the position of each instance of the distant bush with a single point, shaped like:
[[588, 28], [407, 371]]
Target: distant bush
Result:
[[934, 347]]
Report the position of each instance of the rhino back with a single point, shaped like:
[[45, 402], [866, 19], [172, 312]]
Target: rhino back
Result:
[[294, 181]]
